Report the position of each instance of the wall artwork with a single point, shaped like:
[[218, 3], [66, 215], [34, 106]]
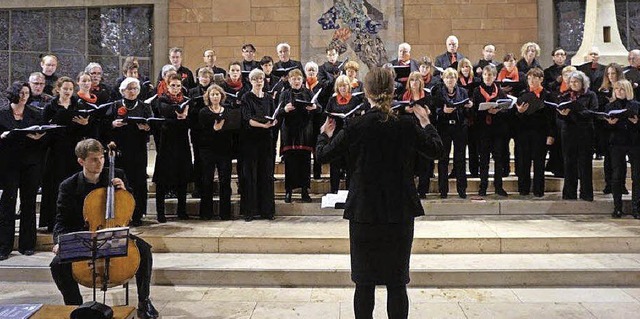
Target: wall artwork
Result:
[[365, 31]]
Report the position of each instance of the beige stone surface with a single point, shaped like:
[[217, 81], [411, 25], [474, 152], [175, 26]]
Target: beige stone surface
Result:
[[525, 310]]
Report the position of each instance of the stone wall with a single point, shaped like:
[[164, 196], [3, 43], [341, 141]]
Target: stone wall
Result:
[[225, 25]]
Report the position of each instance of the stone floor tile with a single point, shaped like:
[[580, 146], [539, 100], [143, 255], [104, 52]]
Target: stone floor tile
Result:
[[342, 295], [618, 310], [207, 309], [613, 295], [633, 292], [258, 294], [427, 310], [291, 310], [525, 310], [461, 295]]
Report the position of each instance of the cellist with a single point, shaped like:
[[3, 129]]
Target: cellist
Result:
[[69, 218]]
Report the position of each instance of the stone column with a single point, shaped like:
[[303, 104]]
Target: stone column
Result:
[[601, 30]]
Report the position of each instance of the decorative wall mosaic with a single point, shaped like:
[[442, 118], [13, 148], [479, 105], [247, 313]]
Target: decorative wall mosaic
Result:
[[367, 31]]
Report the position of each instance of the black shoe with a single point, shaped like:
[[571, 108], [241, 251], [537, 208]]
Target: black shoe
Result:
[[183, 216], [443, 195], [162, 219], [248, 218], [524, 193], [422, 195], [305, 196], [501, 192], [136, 223], [607, 190], [482, 192], [625, 191], [287, 197], [4, 257], [452, 174], [536, 194], [462, 195], [617, 213], [146, 310], [587, 198], [28, 252], [270, 217]]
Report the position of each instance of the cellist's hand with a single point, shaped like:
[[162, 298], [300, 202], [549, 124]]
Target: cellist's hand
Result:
[[117, 183]]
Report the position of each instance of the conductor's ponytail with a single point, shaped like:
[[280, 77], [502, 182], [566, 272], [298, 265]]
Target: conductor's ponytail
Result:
[[379, 87]]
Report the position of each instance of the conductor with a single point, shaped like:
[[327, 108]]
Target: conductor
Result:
[[382, 201]]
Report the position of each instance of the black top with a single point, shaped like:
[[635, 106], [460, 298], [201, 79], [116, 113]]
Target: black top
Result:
[[297, 125], [444, 60], [328, 72], [50, 81], [551, 75], [441, 97], [73, 191], [624, 133], [580, 115], [218, 141], [18, 148], [255, 108], [197, 103], [381, 156], [524, 67], [595, 73], [188, 81], [498, 123]]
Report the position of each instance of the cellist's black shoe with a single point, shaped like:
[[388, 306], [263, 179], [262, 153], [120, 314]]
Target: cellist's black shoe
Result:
[[305, 196], [287, 197], [616, 213], [146, 310], [27, 252]]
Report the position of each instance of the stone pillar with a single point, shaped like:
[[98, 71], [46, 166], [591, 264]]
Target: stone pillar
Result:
[[601, 30]]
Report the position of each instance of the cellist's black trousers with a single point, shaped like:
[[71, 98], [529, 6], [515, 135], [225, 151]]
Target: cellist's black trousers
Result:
[[63, 276]]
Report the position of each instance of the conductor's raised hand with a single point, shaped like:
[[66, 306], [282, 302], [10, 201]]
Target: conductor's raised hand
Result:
[[328, 127], [522, 107], [422, 113]]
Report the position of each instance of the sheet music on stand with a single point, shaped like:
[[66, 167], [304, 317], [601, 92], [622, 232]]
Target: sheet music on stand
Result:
[[77, 246], [18, 311], [336, 201]]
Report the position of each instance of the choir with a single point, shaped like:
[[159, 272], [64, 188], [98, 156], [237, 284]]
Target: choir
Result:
[[242, 111]]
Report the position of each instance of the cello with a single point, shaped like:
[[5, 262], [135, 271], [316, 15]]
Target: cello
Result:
[[108, 208]]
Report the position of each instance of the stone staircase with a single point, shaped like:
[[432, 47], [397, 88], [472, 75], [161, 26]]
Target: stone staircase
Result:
[[520, 241]]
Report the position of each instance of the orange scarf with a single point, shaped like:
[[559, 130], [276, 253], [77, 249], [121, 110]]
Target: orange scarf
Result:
[[488, 97], [537, 91], [88, 97], [564, 87], [162, 88], [408, 95], [355, 84], [343, 100], [464, 81], [312, 82], [505, 74]]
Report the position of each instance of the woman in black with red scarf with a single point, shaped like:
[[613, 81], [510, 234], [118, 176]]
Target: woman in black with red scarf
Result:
[[491, 128], [131, 139], [577, 137], [173, 162], [235, 88]]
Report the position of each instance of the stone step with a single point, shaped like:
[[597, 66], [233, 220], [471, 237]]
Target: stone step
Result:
[[333, 270], [510, 184], [433, 235]]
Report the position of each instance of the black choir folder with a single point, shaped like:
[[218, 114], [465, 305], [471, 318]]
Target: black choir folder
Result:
[[36, 129], [535, 103], [614, 114], [402, 71], [460, 103], [282, 71], [92, 109], [562, 105], [304, 103], [141, 120], [109, 242], [345, 115]]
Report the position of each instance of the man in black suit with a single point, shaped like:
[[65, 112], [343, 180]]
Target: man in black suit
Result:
[[451, 56], [632, 72], [69, 219], [593, 69], [404, 57]]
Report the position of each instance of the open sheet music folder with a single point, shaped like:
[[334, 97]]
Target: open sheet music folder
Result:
[[110, 242]]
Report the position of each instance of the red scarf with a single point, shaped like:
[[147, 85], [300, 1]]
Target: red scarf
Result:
[[574, 95], [513, 75], [537, 91], [162, 88], [564, 87], [343, 100], [175, 99], [355, 84], [464, 81], [488, 97], [408, 95], [312, 82], [235, 85], [91, 98]]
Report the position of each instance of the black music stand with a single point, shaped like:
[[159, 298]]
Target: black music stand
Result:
[[85, 245]]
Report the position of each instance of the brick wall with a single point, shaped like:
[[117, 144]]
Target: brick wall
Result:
[[225, 25]]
